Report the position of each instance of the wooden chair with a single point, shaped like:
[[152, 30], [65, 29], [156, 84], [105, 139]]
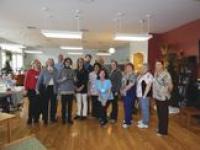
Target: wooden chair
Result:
[[189, 112]]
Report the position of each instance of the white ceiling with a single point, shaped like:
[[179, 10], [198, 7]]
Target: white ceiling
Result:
[[96, 16]]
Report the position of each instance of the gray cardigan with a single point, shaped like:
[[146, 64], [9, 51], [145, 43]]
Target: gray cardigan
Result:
[[66, 81], [44, 78], [116, 80]]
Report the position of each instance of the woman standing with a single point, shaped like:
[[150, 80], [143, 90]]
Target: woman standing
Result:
[[66, 89], [92, 89], [30, 87], [116, 79], [128, 92], [144, 84], [162, 87], [48, 80], [81, 81], [103, 86]]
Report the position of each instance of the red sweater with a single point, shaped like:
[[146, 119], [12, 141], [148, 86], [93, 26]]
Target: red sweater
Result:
[[31, 79]]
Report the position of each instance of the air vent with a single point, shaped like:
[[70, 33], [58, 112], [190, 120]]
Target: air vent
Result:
[[31, 27], [87, 1], [84, 30]]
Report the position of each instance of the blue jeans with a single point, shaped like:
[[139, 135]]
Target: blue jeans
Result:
[[144, 105], [128, 108]]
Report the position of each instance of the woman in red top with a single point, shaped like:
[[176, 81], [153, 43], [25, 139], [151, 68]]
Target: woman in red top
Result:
[[30, 87]]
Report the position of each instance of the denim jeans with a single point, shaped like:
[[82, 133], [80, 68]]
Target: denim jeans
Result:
[[144, 105]]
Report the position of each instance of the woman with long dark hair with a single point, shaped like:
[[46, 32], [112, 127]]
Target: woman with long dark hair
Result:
[[92, 92], [81, 82]]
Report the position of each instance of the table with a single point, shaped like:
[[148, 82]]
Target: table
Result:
[[27, 143], [6, 118]]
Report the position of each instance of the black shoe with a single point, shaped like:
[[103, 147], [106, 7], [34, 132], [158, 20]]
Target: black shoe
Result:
[[103, 123], [53, 120], [29, 122], [77, 117], [63, 122], [70, 122], [83, 118], [36, 121], [45, 122]]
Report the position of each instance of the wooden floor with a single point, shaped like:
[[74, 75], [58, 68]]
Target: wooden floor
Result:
[[88, 135]]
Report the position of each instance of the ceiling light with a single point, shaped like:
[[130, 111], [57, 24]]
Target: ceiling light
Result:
[[33, 52], [74, 53], [111, 50], [71, 48], [62, 34], [132, 37], [103, 54]]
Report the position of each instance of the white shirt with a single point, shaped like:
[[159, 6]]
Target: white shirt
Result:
[[51, 82], [147, 78], [92, 79]]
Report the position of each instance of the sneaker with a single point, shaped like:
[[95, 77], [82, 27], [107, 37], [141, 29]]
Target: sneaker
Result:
[[140, 122], [158, 134], [113, 121], [29, 121], [142, 126], [125, 126]]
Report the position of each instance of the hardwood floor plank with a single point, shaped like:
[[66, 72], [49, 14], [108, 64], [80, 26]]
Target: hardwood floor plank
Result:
[[85, 135]]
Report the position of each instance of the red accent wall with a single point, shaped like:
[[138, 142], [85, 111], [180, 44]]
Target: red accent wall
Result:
[[185, 38]]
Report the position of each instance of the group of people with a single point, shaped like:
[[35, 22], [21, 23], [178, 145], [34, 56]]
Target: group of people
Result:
[[95, 88]]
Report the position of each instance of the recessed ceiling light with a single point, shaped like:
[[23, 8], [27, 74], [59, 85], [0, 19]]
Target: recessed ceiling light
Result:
[[45, 8], [111, 50]]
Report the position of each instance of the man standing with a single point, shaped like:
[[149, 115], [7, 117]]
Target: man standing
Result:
[[59, 66], [87, 65]]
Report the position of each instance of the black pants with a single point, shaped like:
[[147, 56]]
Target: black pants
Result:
[[114, 112], [95, 109], [33, 107], [49, 96], [163, 114], [102, 112], [67, 102]]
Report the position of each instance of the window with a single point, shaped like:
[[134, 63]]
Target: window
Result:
[[16, 63]]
